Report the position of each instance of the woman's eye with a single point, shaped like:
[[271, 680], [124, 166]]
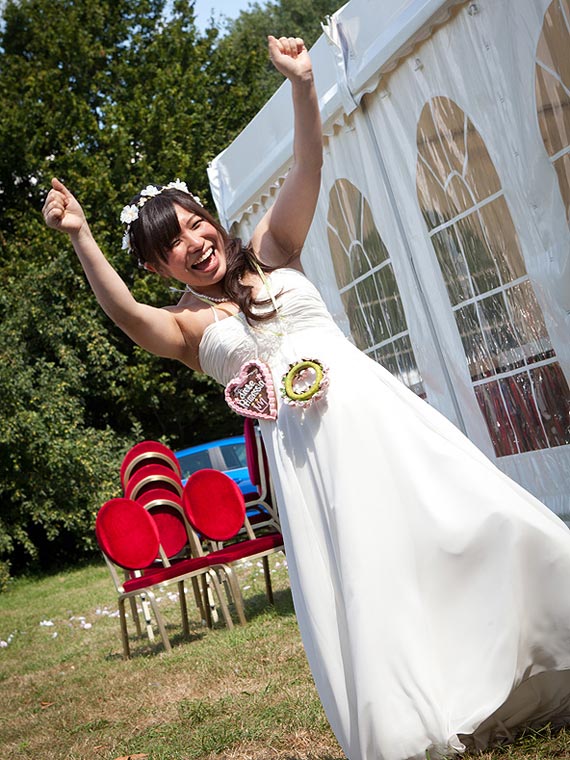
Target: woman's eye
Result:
[[197, 223], [174, 243]]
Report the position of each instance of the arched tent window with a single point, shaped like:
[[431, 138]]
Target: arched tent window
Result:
[[517, 380], [367, 284], [552, 87]]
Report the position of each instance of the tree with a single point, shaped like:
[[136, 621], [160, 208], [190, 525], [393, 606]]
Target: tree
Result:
[[241, 70], [107, 96], [74, 82]]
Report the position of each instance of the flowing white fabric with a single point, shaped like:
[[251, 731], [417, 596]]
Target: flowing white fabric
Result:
[[431, 591]]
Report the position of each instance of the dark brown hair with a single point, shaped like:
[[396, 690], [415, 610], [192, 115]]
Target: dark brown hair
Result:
[[157, 226]]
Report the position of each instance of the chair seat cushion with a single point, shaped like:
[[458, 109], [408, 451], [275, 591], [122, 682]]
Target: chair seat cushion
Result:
[[251, 547], [152, 576], [248, 548]]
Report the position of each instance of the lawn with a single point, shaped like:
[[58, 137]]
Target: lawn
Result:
[[246, 694]]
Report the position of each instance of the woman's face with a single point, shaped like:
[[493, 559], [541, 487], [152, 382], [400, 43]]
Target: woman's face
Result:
[[197, 255]]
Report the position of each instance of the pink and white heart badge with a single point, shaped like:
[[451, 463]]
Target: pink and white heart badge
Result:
[[251, 393]]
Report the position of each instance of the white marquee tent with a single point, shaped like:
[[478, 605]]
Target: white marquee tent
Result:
[[441, 242]]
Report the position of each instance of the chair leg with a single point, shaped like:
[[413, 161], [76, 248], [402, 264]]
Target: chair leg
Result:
[[132, 599], [198, 598], [159, 621], [147, 618], [225, 581], [237, 596], [210, 601], [124, 631], [266, 572], [135, 615], [221, 599], [207, 609], [183, 609]]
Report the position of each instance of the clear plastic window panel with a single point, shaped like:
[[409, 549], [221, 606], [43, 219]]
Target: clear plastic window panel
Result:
[[499, 319], [552, 86], [398, 357], [522, 409], [367, 284]]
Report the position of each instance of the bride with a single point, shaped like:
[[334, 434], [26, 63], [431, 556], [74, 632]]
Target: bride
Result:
[[430, 590]]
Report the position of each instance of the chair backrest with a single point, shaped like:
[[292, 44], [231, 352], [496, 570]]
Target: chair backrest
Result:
[[251, 451], [165, 508], [153, 476], [147, 452], [213, 504], [127, 534], [255, 455]]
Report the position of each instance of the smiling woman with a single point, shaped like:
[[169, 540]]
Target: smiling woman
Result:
[[169, 232], [177, 238]]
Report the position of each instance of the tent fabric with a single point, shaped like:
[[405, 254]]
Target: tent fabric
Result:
[[441, 241], [341, 77], [370, 50]]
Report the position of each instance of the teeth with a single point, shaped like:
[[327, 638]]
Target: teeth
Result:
[[204, 256]]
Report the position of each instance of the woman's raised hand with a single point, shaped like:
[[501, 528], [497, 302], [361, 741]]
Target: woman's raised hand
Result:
[[289, 56], [61, 210]]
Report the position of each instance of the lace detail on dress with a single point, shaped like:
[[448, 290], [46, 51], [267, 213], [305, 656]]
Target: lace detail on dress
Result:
[[269, 336], [227, 344]]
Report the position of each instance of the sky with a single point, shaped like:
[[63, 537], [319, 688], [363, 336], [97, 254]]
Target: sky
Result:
[[229, 8], [204, 8]]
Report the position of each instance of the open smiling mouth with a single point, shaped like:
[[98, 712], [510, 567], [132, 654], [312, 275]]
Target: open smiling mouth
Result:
[[204, 259]]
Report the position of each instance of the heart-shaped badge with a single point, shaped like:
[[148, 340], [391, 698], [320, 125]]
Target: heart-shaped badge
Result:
[[251, 393]]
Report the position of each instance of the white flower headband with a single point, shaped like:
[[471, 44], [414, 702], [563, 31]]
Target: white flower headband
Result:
[[131, 211]]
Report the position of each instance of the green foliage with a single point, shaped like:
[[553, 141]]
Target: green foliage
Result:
[[55, 467], [241, 67], [4, 575], [108, 96]]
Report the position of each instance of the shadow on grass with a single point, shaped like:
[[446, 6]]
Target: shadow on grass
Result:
[[544, 743], [259, 604], [140, 646], [255, 607]]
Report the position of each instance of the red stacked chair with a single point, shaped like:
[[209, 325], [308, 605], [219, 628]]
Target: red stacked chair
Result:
[[129, 538], [150, 474], [166, 510], [215, 508], [258, 471], [145, 453]]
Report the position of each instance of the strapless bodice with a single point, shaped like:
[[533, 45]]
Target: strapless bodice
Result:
[[301, 322]]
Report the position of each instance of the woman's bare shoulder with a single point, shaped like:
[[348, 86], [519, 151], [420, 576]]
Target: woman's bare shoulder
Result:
[[193, 318]]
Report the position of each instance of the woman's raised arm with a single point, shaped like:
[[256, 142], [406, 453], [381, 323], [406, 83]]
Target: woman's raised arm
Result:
[[280, 235], [156, 330]]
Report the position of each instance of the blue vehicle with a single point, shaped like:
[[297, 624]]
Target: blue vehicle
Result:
[[226, 454]]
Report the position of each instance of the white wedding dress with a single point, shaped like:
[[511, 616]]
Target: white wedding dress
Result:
[[432, 592]]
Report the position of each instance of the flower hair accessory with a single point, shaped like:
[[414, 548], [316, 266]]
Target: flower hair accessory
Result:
[[130, 212]]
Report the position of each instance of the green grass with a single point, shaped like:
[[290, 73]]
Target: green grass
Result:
[[67, 693], [246, 694]]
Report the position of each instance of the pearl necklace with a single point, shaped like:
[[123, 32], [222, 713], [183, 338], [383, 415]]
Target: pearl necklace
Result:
[[204, 297]]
